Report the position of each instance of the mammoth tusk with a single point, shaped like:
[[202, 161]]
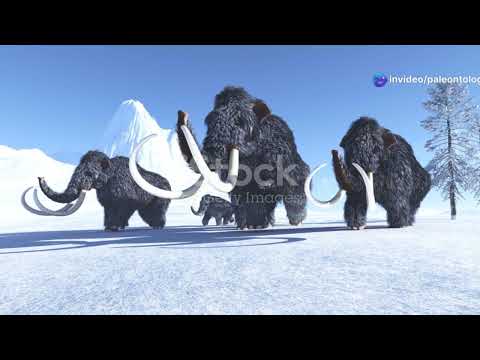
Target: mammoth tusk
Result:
[[65, 211], [28, 207], [368, 180], [233, 165], [45, 209], [312, 198], [161, 193]]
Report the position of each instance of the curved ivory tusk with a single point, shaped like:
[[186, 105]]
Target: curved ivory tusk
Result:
[[145, 185], [75, 207], [30, 209], [45, 209], [312, 198], [368, 180], [233, 165], [65, 211]]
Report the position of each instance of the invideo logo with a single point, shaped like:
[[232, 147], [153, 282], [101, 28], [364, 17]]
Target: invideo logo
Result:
[[380, 79]]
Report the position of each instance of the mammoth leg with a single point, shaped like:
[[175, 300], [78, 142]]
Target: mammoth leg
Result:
[[422, 184], [218, 220], [414, 205], [355, 211], [125, 215], [241, 217], [296, 205], [259, 215], [111, 218], [154, 213], [271, 217], [117, 215], [228, 217], [398, 214], [238, 202], [411, 218], [253, 211], [206, 219]]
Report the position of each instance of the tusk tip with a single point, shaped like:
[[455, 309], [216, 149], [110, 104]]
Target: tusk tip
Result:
[[182, 117]]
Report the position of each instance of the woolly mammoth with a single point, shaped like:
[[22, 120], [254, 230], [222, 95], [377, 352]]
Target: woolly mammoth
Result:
[[214, 207], [119, 195], [243, 133], [379, 166]]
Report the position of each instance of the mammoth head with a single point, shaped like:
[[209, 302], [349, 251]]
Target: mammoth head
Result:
[[233, 121], [366, 143], [204, 203], [92, 173]]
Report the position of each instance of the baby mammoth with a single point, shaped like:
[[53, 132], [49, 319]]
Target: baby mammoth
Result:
[[119, 195], [218, 208]]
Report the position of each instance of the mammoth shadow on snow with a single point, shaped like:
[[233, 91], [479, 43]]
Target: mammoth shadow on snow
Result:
[[186, 237]]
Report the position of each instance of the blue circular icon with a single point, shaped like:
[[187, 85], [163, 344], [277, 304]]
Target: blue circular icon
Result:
[[380, 79]]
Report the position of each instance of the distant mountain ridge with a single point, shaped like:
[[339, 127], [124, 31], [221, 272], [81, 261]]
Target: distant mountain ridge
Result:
[[69, 157]]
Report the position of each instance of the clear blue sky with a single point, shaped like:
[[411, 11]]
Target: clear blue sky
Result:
[[60, 98]]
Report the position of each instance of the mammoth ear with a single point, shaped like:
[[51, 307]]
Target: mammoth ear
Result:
[[388, 139], [261, 109], [105, 164]]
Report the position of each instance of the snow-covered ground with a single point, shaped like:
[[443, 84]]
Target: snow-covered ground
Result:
[[68, 265], [318, 268]]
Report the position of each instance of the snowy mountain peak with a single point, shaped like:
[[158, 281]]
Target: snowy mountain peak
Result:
[[133, 102], [130, 124], [133, 106]]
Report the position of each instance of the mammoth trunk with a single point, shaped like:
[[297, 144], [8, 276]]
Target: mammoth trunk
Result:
[[70, 194], [201, 209], [344, 178], [351, 183]]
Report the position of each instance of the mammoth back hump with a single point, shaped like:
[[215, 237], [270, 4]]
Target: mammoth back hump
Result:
[[276, 138], [274, 126]]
